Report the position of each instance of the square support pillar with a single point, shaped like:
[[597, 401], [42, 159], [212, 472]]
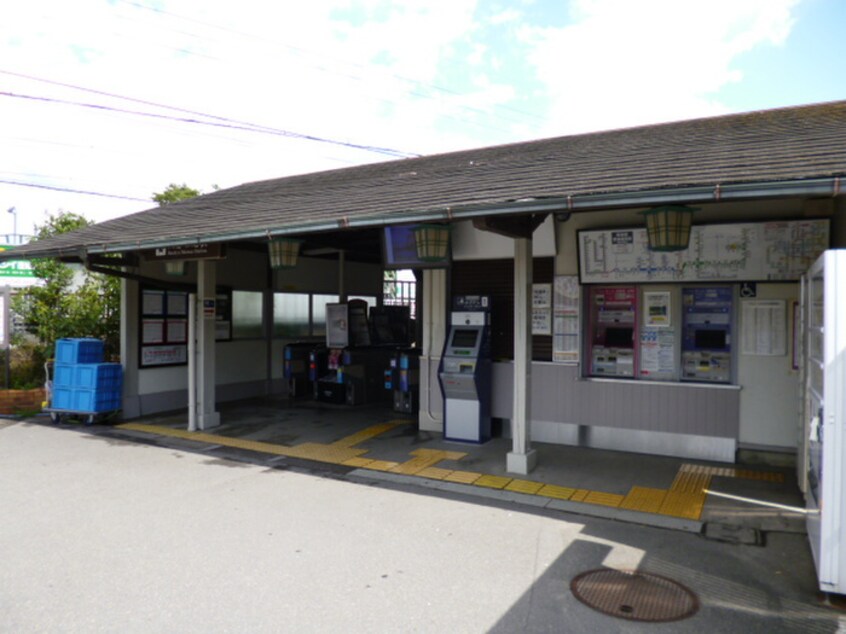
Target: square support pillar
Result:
[[207, 417], [522, 459]]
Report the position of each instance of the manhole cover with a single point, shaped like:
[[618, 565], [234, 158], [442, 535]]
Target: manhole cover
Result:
[[637, 596]]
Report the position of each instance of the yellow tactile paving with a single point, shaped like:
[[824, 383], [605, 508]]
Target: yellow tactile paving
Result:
[[690, 482], [732, 472], [463, 477], [603, 499], [492, 481], [434, 473], [524, 486], [357, 462], [644, 499], [683, 504], [382, 465], [553, 491], [365, 434], [685, 497], [324, 453], [424, 458], [238, 443], [579, 495]]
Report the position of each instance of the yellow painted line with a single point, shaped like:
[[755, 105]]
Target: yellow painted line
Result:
[[603, 499], [382, 465], [463, 477], [434, 473], [492, 481], [423, 459], [644, 499], [524, 486], [365, 434], [357, 462], [579, 495], [553, 491], [683, 504]]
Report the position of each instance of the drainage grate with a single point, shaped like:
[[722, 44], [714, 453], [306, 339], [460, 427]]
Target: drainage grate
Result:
[[637, 596]]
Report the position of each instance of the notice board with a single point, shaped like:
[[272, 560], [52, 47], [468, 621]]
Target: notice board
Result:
[[768, 251]]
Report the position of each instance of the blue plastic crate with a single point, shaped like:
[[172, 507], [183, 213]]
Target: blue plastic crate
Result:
[[63, 374], [79, 351], [95, 400], [98, 376], [62, 398]]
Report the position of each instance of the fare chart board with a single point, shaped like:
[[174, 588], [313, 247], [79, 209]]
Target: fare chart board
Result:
[[769, 251]]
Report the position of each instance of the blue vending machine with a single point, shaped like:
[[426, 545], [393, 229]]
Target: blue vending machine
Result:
[[707, 317], [465, 371]]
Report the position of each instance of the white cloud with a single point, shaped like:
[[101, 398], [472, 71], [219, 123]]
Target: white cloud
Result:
[[366, 71], [626, 63]]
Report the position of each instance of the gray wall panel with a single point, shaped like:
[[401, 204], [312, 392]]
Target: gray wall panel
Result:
[[559, 395]]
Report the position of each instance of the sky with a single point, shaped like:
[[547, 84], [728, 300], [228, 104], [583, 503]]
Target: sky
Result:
[[105, 102]]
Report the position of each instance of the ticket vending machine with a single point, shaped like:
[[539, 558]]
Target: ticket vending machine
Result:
[[613, 324], [465, 371], [706, 334]]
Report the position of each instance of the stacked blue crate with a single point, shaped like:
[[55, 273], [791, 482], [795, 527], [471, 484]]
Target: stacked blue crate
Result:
[[81, 381]]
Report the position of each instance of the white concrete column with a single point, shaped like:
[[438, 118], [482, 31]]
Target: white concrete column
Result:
[[129, 328], [207, 417], [522, 459], [431, 309]]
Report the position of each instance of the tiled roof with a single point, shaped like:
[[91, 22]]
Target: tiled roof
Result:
[[787, 144]]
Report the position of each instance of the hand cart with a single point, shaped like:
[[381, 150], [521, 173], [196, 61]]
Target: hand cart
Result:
[[58, 415]]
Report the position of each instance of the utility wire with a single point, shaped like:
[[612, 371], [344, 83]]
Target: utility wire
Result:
[[301, 51], [73, 191], [231, 126]]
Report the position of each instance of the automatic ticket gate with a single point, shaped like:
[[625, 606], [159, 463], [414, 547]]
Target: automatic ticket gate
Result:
[[465, 371]]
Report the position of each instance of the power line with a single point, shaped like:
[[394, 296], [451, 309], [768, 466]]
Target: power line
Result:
[[73, 191], [231, 126], [301, 51]]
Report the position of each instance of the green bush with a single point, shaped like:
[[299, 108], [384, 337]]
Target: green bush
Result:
[[26, 366]]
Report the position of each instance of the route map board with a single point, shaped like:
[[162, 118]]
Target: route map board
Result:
[[766, 251]]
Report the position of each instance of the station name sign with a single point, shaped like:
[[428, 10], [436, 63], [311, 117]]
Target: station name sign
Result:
[[201, 251]]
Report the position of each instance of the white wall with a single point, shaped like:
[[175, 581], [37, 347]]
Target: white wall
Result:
[[469, 243]]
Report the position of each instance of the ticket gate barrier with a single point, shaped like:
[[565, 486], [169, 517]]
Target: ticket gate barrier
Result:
[[402, 379], [363, 374], [295, 368]]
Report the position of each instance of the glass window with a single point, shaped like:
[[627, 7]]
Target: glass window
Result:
[[246, 314], [318, 312], [370, 299], [290, 315]]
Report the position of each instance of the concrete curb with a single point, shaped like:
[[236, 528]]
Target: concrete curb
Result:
[[534, 501]]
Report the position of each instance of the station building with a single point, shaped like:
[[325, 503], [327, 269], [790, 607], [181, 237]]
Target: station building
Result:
[[597, 338]]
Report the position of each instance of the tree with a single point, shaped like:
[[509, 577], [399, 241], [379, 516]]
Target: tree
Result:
[[174, 193], [70, 302]]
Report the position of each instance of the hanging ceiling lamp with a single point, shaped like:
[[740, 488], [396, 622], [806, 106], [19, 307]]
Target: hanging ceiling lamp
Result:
[[283, 252], [668, 227], [432, 242], [175, 267]]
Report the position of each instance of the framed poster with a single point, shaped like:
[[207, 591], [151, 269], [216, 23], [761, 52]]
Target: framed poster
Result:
[[656, 309], [541, 309], [164, 328], [566, 319]]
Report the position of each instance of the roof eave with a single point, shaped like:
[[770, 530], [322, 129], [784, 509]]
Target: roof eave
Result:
[[824, 186]]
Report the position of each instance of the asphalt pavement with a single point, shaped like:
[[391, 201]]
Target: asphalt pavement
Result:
[[98, 534]]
